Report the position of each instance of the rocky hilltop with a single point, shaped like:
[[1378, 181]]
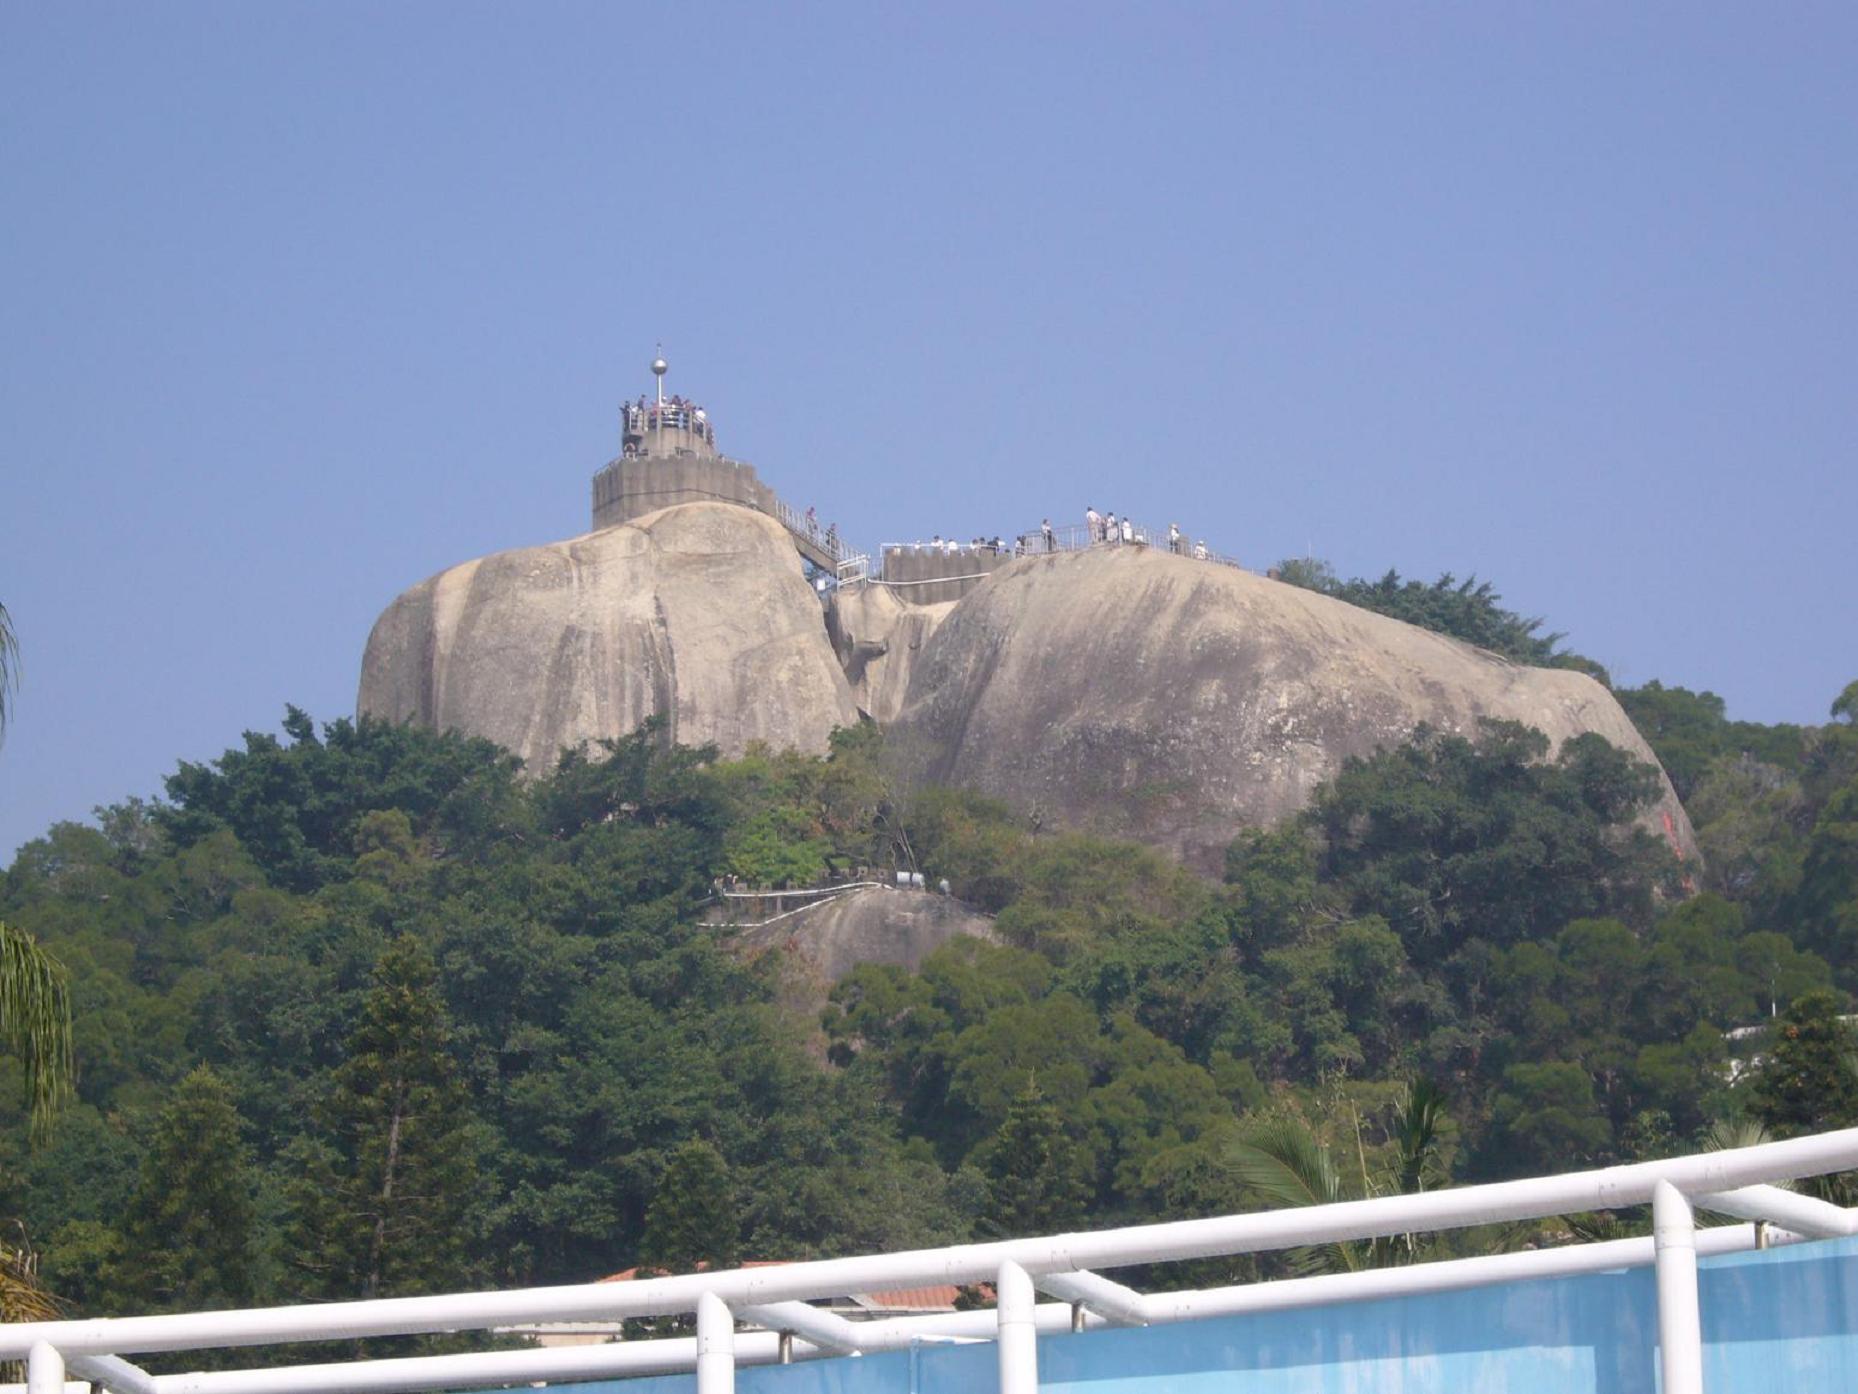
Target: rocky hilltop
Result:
[[700, 614], [1121, 689], [1178, 702]]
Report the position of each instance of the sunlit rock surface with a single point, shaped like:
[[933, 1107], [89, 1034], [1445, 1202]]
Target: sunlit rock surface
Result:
[[698, 613], [1177, 702]]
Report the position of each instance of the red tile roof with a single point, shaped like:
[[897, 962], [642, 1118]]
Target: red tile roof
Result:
[[939, 1297]]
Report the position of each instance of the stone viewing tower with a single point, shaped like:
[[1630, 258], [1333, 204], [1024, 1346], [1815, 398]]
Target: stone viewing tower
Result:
[[667, 456], [665, 429]]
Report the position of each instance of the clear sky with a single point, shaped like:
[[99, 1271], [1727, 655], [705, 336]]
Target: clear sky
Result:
[[304, 302]]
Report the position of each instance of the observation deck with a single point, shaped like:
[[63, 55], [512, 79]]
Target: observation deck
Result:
[[668, 456]]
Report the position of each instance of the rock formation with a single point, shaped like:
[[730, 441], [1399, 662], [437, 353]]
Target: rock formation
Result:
[[699, 613], [871, 925], [877, 638], [1120, 689], [1177, 702]]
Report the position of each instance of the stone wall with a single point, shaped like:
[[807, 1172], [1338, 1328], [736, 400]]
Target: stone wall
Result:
[[631, 488], [931, 576]]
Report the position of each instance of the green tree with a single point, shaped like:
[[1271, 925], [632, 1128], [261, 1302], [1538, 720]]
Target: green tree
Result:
[[1038, 1177], [381, 1202], [1690, 732], [1805, 1081], [1469, 609], [1450, 840], [1545, 1119], [693, 1219], [191, 1226]]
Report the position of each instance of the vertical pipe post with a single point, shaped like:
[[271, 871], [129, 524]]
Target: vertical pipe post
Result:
[[45, 1370], [715, 1346], [1680, 1329], [1018, 1337]]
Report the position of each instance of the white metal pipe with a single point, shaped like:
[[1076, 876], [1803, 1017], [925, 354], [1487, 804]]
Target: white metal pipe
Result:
[[477, 1369], [1680, 1329], [897, 1333], [113, 1373], [560, 1364], [1122, 1305], [715, 1346], [1447, 1275], [45, 1369], [557, 1364], [1818, 1219], [1016, 1338], [822, 1328], [1612, 1188]]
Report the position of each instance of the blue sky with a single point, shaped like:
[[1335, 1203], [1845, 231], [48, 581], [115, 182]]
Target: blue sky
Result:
[[303, 303]]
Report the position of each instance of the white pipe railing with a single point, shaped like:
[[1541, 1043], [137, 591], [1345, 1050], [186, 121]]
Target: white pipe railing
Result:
[[113, 1373], [1734, 1182], [1016, 1336], [1816, 1219], [1680, 1327]]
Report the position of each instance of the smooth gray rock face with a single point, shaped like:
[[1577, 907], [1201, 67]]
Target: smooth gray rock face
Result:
[[870, 925], [1178, 702], [698, 613], [878, 638]]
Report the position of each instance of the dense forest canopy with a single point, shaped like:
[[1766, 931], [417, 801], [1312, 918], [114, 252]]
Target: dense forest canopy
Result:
[[321, 941]]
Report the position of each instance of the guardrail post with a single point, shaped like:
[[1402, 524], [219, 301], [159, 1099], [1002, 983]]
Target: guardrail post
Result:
[[45, 1370], [1018, 1337], [1680, 1330], [715, 1346]]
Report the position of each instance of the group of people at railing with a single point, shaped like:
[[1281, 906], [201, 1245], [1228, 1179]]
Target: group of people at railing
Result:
[[1097, 530], [1107, 530], [674, 413]]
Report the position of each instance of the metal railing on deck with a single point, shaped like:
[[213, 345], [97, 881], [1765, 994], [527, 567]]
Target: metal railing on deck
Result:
[[1076, 537], [826, 538]]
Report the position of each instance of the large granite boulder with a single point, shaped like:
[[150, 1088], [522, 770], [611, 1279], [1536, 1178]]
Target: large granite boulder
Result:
[[699, 613], [1177, 702]]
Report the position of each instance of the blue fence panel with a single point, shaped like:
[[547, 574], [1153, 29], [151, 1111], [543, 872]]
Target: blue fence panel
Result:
[[1783, 1320]]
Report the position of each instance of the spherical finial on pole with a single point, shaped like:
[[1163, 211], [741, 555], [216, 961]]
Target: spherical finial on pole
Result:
[[659, 368]]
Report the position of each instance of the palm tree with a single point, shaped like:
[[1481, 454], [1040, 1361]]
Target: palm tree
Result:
[[22, 1296], [9, 666], [35, 1009], [35, 1021], [1284, 1161]]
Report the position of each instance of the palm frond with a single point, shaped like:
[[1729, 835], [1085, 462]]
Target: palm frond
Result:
[[35, 1021], [9, 668], [1419, 1134], [1282, 1161]]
